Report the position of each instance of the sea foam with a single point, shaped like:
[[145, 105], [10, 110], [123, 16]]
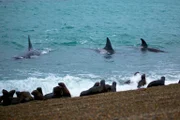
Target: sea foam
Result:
[[75, 84]]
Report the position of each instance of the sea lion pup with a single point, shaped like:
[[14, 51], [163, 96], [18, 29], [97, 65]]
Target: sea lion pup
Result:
[[7, 97], [66, 92], [24, 96], [142, 82], [157, 82], [37, 95]]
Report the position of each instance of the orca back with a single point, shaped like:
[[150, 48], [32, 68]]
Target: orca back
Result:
[[108, 46], [143, 43], [29, 43]]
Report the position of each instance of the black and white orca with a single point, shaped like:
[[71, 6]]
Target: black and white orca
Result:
[[144, 47], [31, 52], [108, 49]]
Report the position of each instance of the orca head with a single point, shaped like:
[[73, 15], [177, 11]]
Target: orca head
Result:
[[108, 46], [29, 43], [143, 43]]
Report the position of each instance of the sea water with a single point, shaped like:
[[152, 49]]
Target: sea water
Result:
[[69, 31]]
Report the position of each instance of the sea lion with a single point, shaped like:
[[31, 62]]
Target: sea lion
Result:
[[48, 96], [37, 95], [40, 90], [7, 97], [66, 92], [179, 82], [142, 82], [157, 82], [57, 92], [0, 99], [144, 47], [95, 89], [96, 84], [111, 88], [24, 96]]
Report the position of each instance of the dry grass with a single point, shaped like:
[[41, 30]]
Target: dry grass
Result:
[[158, 103]]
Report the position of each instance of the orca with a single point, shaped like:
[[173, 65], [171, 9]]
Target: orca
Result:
[[108, 49], [31, 52], [144, 47]]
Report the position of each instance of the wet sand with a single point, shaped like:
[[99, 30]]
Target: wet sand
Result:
[[156, 103]]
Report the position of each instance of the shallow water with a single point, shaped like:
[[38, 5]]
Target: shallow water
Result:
[[72, 29]]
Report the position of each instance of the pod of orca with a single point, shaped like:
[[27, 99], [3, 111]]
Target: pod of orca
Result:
[[108, 49]]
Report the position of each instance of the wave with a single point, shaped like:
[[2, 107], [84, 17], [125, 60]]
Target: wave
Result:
[[76, 84]]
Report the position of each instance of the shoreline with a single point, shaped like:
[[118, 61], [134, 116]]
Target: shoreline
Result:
[[147, 103]]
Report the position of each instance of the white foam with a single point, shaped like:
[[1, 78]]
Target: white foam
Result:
[[46, 50], [75, 84]]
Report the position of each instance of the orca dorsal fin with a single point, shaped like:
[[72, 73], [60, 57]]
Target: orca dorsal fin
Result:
[[143, 43], [29, 43], [108, 45]]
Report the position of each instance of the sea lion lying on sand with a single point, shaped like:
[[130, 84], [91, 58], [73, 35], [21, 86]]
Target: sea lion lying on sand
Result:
[[37, 95], [57, 93], [7, 97], [24, 96], [157, 82], [95, 89]]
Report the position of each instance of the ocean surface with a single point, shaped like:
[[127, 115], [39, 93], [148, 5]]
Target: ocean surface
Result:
[[69, 31]]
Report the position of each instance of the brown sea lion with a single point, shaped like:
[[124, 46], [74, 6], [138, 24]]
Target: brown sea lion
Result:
[[7, 97], [57, 92], [157, 82], [37, 95], [87, 92], [40, 90], [179, 82], [95, 89], [24, 96], [142, 82], [66, 92], [99, 89]]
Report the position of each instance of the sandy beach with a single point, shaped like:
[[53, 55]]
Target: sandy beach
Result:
[[156, 103]]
